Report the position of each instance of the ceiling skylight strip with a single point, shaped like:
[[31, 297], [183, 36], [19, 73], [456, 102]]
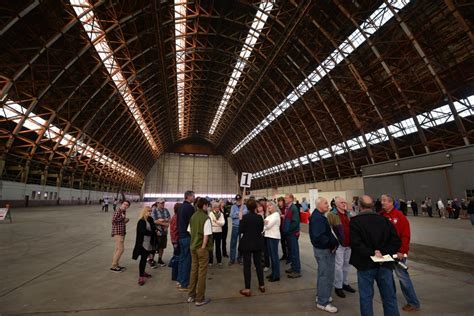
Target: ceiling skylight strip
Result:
[[433, 118], [252, 37], [15, 112], [96, 34], [180, 8], [376, 20]]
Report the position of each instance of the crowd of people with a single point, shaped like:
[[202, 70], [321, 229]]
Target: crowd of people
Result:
[[374, 239]]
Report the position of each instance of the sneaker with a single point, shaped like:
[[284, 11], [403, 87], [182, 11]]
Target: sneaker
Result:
[[116, 270], [290, 270], [206, 301], [152, 264], [161, 263], [183, 289], [178, 285], [266, 269], [294, 275], [141, 281], [190, 300], [330, 299], [146, 275], [340, 293], [122, 268], [348, 288], [273, 280], [328, 308]]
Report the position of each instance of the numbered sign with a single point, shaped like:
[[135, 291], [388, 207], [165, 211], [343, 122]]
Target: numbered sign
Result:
[[245, 180]]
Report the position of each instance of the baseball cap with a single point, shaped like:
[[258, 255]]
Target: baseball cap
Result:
[[238, 197]]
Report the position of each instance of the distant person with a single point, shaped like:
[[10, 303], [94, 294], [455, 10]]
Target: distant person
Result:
[[324, 246], [234, 238], [272, 233], [225, 210], [304, 205], [105, 206], [174, 236], [114, 205], [470, 210], [291, 229], [456, 209], [373, 235], [402, 226], [424, 208], [217, 221], [464, 208], [403, 207], [200, 229], [441, 208], [429, 206], [143, 243], [119, 222], [343, 252], [284, 246], [414, 208], [184, 265], [378, 206], [251, 245], [261, 210], [162, 217]]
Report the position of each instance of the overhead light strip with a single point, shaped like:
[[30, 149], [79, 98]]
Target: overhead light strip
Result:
[[96, 34], [376, 21], [15, 112], [433, 118], [180, 8], [180, 195], [254, 33]]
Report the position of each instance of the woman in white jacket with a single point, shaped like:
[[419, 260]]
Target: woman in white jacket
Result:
[[272, 232], [217, 221]]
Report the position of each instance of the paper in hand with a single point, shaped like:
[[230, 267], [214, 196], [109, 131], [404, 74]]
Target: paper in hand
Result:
[[386, 258]]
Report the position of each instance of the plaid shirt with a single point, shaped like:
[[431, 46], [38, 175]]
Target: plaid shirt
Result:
[[161, 214], [118, 222]]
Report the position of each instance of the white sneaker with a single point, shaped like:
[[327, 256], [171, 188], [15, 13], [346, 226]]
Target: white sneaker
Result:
[[330, 299], [328, 308], [266, 269]]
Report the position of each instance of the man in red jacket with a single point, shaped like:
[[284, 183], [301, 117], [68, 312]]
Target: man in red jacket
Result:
[[402, 226]]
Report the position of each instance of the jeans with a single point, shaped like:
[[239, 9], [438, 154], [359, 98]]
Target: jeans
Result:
[[284, 247], [294, 253], [384, 278], [266, 255], [174, 262], [341, 271], [257, 261], [273, 253], [197, 287], [217, 237], [326, 261], [234, 238], [184, 266], [407, 286]]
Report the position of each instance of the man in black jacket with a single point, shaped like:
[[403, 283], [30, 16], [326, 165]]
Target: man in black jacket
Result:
[[184, 216], [373, 235]]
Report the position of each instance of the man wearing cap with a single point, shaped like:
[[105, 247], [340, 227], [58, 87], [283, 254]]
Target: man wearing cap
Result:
[[161, 216], [234, 215]]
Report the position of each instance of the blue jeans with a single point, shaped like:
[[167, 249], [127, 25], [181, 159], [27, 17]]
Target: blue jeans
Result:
[[294, 253], [272, 244], [384, 278], [184, 266], [234, 238], [326, 265], [407, 286]]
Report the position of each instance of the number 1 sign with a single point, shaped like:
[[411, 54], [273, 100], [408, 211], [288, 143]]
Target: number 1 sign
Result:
[[245, 180]]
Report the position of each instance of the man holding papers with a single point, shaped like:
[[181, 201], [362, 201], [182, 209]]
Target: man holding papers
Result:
[[373, 235]]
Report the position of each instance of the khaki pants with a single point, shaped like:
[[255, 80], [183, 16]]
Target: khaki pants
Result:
[[197, 287], [119, 246]]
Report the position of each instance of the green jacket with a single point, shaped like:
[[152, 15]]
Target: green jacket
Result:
[[196, 224]]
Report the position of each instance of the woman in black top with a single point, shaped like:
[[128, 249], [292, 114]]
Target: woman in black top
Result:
[[251, 243], [146, 238]]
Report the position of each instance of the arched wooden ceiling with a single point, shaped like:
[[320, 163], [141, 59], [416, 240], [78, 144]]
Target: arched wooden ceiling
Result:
[[419, 60]]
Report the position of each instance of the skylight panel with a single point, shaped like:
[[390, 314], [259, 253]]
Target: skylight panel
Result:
[[376, 20], [96, 34], [254, 33], [180, 11], [15, 112]]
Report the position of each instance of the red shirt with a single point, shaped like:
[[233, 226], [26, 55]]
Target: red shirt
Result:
[[402, 226], [118, 222], [345, 224]]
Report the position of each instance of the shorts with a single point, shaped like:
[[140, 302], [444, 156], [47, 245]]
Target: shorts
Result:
[[161, 242]]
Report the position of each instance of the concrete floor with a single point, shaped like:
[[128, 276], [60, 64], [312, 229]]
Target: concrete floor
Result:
[[55, 260]]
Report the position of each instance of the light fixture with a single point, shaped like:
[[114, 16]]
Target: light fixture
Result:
[[90, 23], [376, 20], [254, 33]]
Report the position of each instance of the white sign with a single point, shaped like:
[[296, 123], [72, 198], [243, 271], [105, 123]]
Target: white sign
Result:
[[3, 213], [313, 196], [245, 180]]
